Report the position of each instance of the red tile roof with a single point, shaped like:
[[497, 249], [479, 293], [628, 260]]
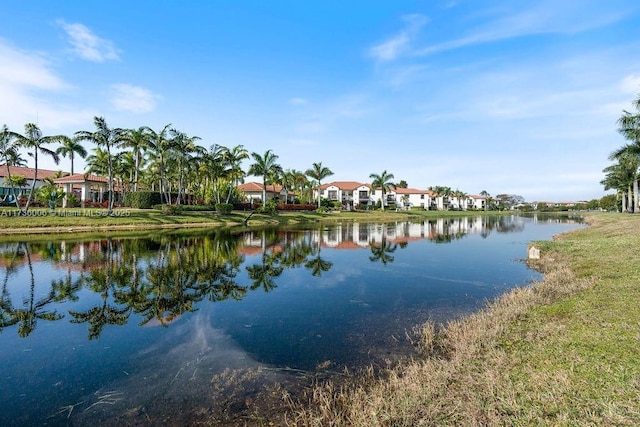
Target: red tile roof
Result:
[[344, 185], [78, 178], [254, 186], [28, 173], [399, 190]]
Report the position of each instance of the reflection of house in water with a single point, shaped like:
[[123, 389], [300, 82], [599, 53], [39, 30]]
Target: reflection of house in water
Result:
[[362, 235]]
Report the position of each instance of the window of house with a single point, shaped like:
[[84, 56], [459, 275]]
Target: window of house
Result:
[[333, 195]]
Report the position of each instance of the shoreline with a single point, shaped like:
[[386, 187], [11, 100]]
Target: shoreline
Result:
[[525, 359]]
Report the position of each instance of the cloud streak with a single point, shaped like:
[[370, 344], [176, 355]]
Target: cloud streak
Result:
[[134, 99], [89, 46], [398, 44]]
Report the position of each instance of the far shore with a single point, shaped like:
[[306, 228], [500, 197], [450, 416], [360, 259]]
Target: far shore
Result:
[[76, 220]]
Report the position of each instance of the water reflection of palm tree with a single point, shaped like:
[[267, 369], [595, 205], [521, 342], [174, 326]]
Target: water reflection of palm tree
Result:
[[32, 309], [317, 264], [382, 252], [104, 280], [66, 289], [5, 298], [262, 275]]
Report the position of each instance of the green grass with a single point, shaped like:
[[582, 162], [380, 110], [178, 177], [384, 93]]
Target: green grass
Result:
[[564, 352], [41, 220]]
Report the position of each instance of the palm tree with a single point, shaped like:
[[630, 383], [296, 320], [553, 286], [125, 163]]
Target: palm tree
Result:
[[620, 176], [159, 146], [183, 149], [98, 162], [106, 137], [233, 158], [10, 156], [34, 142], [382, 181], [138, 141], [265, 167], [318, 172], [69, 148], [629, 127], [628, 157]]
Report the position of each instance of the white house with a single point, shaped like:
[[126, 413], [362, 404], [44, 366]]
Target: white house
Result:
[[253, 192], [405, 198], [351, 194]]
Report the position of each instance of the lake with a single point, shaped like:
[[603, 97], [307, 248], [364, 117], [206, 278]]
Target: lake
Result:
[[177, 328]]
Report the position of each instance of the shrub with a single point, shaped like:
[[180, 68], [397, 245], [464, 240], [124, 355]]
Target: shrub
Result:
[[224, 208], [171, 210], [271, 207], [141, 199]]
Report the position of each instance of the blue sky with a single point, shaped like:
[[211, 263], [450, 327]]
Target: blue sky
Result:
[[514, 96]]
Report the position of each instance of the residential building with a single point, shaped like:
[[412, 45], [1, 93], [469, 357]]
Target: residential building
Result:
[[253, 193], [352, 194]]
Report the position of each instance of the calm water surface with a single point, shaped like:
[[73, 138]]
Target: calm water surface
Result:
[[176, 329]]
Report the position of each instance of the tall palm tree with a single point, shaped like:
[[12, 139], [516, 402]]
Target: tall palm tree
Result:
[[106, 137], [69, 148], [629, 127], [628, 157], [266, 167], [233, 158], [184, 150], [318, 172], [621, 176], [34, 142], [138, 141], [382, 181], [159, 146]]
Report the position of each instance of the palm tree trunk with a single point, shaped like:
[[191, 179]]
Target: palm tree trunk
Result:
[[636, 205], [33, 184]]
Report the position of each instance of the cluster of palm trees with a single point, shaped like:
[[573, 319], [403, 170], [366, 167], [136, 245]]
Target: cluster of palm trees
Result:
[[170, 162], [622, 176], [167, 161]]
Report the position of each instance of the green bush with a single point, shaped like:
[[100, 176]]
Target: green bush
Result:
[[224, 208], [141, 199], [271, 207], [171, 210]]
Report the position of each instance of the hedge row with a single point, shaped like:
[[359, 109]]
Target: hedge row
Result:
[[141, 199]]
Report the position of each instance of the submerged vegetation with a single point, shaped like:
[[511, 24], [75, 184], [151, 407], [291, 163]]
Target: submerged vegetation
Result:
[[561, 352]]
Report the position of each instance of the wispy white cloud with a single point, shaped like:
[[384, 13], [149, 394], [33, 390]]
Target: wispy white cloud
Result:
[[298, 101], [544, 17], [399, 43], [135, 99], [27, 80], [89, 46], [27, 70]]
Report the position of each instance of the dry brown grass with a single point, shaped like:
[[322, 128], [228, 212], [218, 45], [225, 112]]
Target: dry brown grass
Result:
[[471, 371]]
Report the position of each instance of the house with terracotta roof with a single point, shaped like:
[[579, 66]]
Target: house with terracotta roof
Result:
[[86, 187], [253, 192], [407, 198], [351, 194], [29, 174]]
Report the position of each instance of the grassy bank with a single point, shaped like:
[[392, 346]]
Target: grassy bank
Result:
[[41, 220], [562, 352]]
